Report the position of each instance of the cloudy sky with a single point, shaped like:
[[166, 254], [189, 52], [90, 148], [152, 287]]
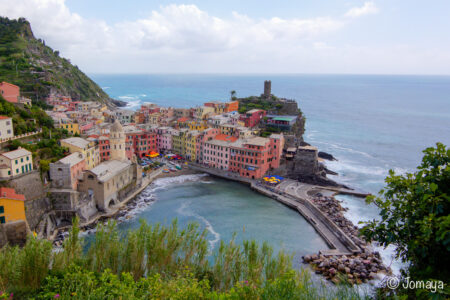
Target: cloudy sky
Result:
[[244, 36]]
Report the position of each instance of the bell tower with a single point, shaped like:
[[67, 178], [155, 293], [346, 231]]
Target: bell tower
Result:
[[117, 142]]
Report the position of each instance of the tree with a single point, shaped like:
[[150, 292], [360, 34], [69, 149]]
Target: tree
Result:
[[233, 94], [414, 211]]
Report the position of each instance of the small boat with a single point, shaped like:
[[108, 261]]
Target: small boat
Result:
[[172, 169], [166, 171], [178, 167]]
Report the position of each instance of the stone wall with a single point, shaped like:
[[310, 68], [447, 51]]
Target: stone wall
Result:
[[36, 209], [29, 185], [14, 233]]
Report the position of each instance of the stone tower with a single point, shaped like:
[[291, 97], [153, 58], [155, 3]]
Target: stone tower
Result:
[[117, 142], [267, 89]]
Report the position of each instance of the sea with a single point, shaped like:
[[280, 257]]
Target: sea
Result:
[[369, 123]]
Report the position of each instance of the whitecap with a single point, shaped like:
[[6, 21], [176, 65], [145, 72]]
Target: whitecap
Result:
[[182, 210], [106, 87]]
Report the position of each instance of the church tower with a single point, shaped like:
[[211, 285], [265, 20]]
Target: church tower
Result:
[[117, 142]]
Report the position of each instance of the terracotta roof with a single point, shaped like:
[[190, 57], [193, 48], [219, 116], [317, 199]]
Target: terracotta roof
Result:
[[9, 193], [183, 119], [226, 138], [4, 117], [4, 82]]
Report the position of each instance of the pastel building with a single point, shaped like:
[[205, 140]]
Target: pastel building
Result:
[[254, 157], [65, 172], [15, 163], [203, 112], [12, 206], [201, 139], [216, 152], [85, 147], [253, 117], [6, 127], [283, 123], [10, 92]]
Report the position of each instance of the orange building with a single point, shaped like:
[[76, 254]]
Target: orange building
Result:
[[232, 106], [12, 206], [10, 92]]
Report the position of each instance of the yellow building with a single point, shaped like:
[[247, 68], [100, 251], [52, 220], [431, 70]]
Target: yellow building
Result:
[[191, 144], [203, 111], [179, 141], [12, 206], [87, 148], [71, 127], [14, 163], [197, 125]]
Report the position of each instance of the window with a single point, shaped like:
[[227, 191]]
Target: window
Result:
[[2, 220], [9, 172], [17, 161], [21, 159], [2, 210], [17, 170], [28, 158]]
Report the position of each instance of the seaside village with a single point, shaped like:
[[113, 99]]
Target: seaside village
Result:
[[113, 153]]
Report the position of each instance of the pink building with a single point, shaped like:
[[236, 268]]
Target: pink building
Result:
[[202, 138], [253, 117], [216, 152], [253, 157], [10, 92]]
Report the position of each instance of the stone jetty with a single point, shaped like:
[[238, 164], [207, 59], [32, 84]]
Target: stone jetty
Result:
[[349, 257]]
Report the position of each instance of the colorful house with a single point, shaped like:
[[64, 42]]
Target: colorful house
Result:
[[10, 92], [15, 163], [12, 206], [253, 117], [87, 148], [6, 127]]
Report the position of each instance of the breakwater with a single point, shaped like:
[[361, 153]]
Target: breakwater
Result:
[[348, 254]]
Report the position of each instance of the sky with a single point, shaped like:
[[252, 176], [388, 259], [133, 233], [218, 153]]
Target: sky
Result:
[[244, 36]]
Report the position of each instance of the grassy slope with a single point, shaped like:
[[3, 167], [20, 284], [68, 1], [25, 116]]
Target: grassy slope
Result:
[[37, 69]]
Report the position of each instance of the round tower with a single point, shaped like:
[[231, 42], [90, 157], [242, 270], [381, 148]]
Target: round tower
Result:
[[117, 142]]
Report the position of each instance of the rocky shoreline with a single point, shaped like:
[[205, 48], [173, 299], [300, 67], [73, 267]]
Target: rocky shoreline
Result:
[[123, 212], [354, 269]]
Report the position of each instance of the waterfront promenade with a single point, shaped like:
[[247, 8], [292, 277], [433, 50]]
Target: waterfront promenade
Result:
[[297, 195]]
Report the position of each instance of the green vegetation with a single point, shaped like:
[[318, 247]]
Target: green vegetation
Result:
[[246, 104], [155, 262], [36, 68], [415, 218], [46, 147], [25, 119]]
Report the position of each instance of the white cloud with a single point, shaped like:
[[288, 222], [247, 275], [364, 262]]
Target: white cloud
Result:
[[369, 8], [184, 38]]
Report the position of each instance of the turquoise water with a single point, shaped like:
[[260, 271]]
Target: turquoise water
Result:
[[369, 123], [223, 208]]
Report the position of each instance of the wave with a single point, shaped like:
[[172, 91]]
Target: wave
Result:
[[133, 104], [183, 211], [106, 87], [162, 183], [346, 149], [127, 97]]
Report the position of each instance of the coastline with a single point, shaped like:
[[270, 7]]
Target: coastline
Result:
[[348, 254]]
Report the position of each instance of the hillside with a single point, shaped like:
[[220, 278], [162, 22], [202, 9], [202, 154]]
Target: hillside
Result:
[[38, 69]]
